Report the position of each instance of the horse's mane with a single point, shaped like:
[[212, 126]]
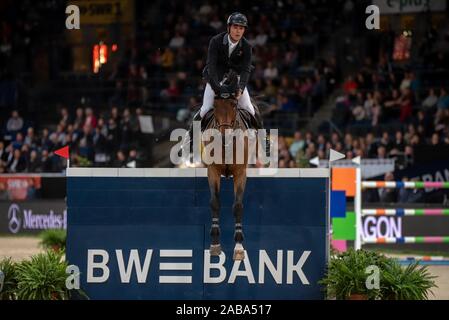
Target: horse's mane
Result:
[[242, 120]]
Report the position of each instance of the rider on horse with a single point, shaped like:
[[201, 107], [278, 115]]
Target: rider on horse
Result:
[[228, 51]]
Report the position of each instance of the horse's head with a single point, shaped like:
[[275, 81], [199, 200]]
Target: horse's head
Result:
[[225, 105]]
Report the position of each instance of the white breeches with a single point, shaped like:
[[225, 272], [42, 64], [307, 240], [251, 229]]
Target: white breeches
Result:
[[208, 101]]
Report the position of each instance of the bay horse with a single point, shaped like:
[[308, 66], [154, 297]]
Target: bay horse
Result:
[[226, 119]]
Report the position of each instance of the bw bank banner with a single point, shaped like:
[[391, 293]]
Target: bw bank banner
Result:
[[148, 238], [171, 262]]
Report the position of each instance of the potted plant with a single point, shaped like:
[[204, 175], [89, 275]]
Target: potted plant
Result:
[[346, 275], [54, 239], [43, 277], [9, 282], [412, 282]]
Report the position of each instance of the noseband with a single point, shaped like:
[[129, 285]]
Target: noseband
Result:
[[228, 125]]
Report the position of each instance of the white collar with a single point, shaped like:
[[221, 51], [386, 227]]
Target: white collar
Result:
[[232, 44]]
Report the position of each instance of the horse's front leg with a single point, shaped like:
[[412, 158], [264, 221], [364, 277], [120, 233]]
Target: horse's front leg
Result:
[[237, 208], [214, 186]]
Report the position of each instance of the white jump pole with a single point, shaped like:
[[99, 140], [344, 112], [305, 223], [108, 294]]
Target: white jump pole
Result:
[[358, 204]]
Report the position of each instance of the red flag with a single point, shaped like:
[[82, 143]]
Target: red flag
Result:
[[63, 152]]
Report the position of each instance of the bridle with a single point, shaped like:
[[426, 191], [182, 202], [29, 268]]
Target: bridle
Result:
[[232, 123]]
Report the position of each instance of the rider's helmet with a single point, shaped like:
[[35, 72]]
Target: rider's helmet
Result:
[[238, 19]]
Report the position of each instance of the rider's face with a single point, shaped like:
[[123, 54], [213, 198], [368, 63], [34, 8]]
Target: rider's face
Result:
[[236, 32]]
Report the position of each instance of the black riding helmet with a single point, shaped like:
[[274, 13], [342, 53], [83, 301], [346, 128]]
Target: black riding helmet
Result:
[[238, 19]]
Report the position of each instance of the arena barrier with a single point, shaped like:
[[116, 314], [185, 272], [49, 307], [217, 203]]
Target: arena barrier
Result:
[[144, 234], [399, 212], [425, 260]]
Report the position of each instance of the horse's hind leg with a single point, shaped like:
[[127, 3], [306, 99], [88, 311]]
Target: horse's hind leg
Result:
[[214, 186], [237, 208]]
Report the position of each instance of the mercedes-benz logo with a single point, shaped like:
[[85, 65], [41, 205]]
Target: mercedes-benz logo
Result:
[[14, 221]]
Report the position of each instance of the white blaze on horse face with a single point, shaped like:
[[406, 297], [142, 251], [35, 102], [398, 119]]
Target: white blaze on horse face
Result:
[[212, 153]]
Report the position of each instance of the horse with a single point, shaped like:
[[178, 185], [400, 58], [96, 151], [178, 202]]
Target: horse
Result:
[[227, 116]]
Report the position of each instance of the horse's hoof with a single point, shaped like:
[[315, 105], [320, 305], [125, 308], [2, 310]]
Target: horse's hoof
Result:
[[239, 252], [215, 249], [239, 255]]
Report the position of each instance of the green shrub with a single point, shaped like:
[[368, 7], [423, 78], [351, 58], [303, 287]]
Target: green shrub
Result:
[[8, 268], [53, 239], [346, 274], [412, 282], [43, 277]]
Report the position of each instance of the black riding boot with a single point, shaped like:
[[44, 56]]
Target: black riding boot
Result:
[[258, 125], [196, 117]]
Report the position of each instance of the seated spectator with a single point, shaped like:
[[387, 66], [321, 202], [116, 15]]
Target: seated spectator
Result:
[[297, 144], [120, 161], [388, 195], [270, 72], [306, 88], [284, 103], [435, 140], [18, 141], [177, 41], [79, 118], [100, 146], [216, 23], [442, 120], [34, 164], [359, 114], [376, 112], [350, 86], [406, 82], [409, 195], [408, 156], [392, 104], [385, 141], [47, 165], [399, 141], [172, 91], [381, 152], [167, 59], [30, 138], [132, 156], [282, 163], [292, 164], [15, 123], [443, 101], [431, 100], [17, 163], [91, 119], [3, 153], [406, 105], [65, 117]]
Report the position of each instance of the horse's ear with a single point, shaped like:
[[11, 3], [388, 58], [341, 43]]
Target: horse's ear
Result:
[[233, 79], [232, 74]]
